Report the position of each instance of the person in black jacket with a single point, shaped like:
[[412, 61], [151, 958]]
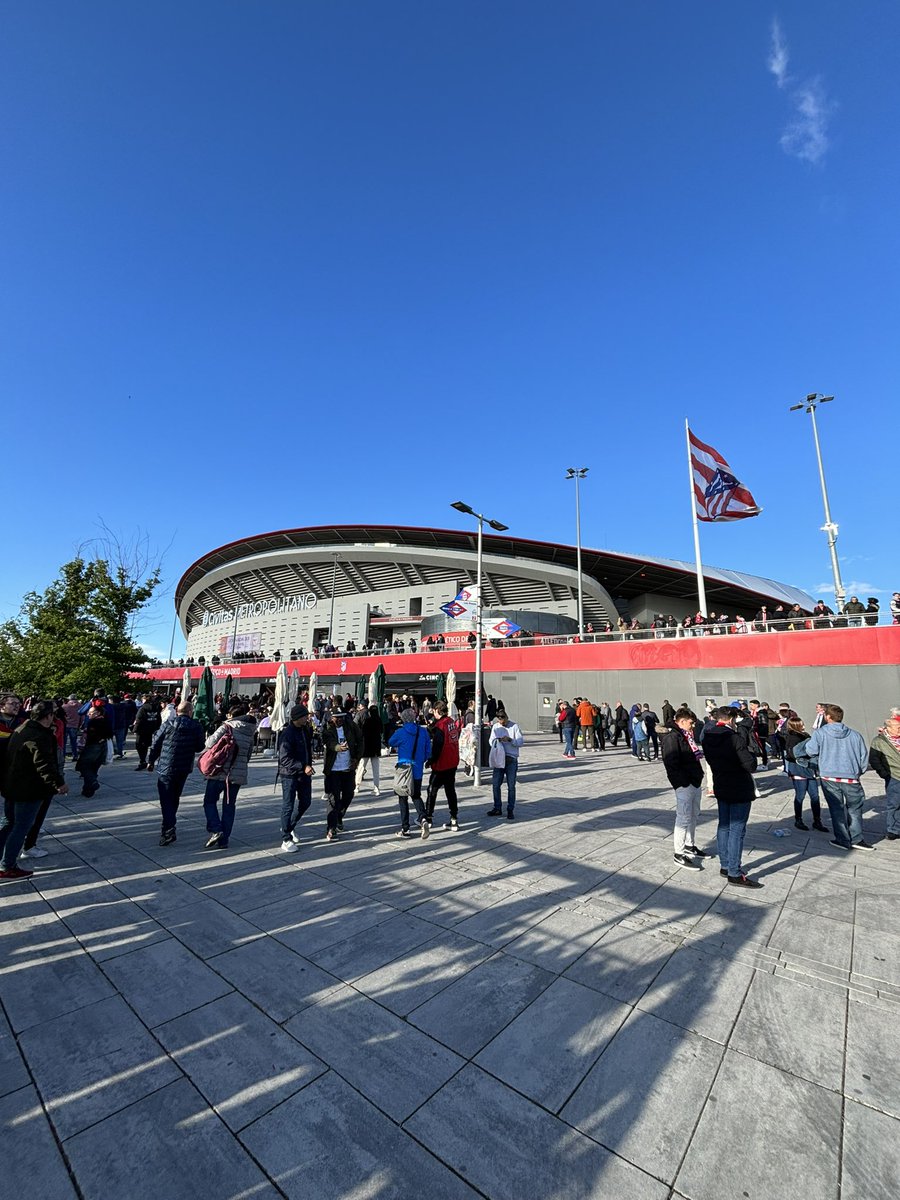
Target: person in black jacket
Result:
[[32, 776], [97, 732], [732, 766], [146, 723], [295, 770], [371, 750], [174, 746], [682, 756]]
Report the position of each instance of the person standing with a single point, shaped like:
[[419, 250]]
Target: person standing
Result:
[[371, 749], [174, 746], [884, 759], [569, 717], [682, 756], [31, 778], [343, 749], [621, 725], [295, 770], [413, 746], [732, 769], [668, 714], [819, 719], [853, 611], [95, 751], [506, 739], [841, 756], [146, 722], [71, 711], [759, 718], [444, 761], [640, 738], [585, 712], [227, 786], [802, 776], [651, 720]]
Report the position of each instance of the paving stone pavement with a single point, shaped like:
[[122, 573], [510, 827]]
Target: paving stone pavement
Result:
[[544, 1009]]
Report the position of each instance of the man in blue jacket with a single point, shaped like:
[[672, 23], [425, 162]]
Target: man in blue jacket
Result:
[[295, 771], [842, 757], [413, 746], [175, 744]]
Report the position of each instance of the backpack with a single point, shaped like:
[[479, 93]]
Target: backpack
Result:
[[218, 759]]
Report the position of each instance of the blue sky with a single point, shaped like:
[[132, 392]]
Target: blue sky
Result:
[[271, 264]]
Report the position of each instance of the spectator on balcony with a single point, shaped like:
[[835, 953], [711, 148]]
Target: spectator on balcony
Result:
[[854, 611], [796, 617], [895, 607], [872, 610], [821, 615]]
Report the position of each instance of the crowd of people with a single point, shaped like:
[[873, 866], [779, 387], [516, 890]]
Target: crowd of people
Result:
[[345, 740]]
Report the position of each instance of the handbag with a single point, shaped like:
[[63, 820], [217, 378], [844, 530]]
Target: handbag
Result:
[[497, 756]]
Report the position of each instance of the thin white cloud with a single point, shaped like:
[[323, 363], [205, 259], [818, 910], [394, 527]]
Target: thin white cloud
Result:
[[779, 55], [806, 134]]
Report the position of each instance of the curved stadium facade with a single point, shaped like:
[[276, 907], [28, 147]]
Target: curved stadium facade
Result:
[[287, 590]]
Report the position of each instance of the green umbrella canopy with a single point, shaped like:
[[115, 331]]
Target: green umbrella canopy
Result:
[[362, 689], [226, 695], [440, 688], [205, 704]]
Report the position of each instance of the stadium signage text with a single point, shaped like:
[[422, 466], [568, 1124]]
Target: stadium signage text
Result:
[[261, 608]]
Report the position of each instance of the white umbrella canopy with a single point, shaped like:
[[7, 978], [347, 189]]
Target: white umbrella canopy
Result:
[[313, 684], [373, 697], [278, 717], [186, 684], [451, 693], [293, 688]]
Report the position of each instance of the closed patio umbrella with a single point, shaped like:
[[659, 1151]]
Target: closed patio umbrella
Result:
[[440, 688], [293, 690], [313, 684], [205, 704], [278, 716], [186, 684], [451, 693], [362, 689], [226, 695]]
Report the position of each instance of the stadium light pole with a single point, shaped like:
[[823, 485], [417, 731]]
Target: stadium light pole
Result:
[[462, 507], [829, 528], [335, 557], [577, 473]]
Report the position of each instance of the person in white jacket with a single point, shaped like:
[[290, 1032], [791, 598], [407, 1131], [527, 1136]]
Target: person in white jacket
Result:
[[503, 756]]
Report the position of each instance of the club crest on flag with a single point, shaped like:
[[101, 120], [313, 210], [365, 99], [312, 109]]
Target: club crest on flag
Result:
[[718, 493]]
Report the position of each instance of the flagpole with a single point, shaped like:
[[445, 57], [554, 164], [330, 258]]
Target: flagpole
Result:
[[701, 586]]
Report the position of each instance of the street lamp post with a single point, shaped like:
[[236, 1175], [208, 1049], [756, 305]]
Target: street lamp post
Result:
[[577, 473], [829, 528], [460, 506], [333, 585]]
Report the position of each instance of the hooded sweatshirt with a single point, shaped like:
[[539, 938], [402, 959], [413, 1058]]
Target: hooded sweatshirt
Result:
[[836, 750]]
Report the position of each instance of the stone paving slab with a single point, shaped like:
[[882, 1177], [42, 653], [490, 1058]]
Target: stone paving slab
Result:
[[635, 1023]]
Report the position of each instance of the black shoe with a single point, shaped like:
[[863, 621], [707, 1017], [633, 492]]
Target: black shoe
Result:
[[824, 828], [510, 816], [743, 881], [840, 845], [722, 871], [892, 837], [340, 826], [685, 860], [141, 767], [167, 838], [801, 825], [862, 846], [697, 852], [494, 812], [213, 841]]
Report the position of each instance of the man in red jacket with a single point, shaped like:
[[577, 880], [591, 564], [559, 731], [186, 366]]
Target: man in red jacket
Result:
[[444, 760]]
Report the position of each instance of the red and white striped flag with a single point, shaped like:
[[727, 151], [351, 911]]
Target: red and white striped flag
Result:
[[718, 494]]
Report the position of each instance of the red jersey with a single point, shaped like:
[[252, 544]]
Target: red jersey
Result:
[[449, 755]]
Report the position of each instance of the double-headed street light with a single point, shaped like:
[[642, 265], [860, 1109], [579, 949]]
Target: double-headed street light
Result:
[[462, 507], [829, 527], [577, 473]]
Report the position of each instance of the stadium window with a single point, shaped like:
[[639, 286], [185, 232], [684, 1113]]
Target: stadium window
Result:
[[415, 606]]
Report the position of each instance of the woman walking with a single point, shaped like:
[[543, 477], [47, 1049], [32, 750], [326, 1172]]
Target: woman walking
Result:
[[803, 777], [242, 729], [506, 740]]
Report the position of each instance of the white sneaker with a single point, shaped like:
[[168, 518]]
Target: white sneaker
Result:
[[375, 792], [34, 852], [289, 846], [426, 829], [451, 824], [294, 838]]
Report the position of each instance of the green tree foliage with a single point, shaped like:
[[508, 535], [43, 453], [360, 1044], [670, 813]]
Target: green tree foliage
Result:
[[77, 635]]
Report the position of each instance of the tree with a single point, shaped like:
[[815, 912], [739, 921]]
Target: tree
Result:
[[78, 634]]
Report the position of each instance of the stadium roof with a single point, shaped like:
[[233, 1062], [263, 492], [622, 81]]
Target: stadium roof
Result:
[[620, 574]]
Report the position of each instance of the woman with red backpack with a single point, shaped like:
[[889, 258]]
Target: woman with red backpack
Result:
[[225, 763]]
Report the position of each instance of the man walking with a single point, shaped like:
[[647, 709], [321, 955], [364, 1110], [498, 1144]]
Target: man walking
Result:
[[682, 758], [444, 761], [732, 770], [413, 746], [343, 743], [295, 770], [32, 777], [174, 745], [146, 722], [842, 757]]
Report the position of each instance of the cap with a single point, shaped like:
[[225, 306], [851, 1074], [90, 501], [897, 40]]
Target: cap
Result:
[[298, 711]]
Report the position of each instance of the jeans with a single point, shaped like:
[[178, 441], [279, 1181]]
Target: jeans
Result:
[[806, 787], [845, 805], [730, 835], [32, 835], [567, 735], [72, 742], [415, 794], [375, 764], [296, 797], [214, 823], [339, 788], [119, 738], [687, 810], [892, 805], [509, 772], [169, 796], [18, 817], [447, 781], [642, 748]]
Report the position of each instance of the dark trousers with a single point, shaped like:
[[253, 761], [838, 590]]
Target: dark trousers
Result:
[[169, 795], [17, 820], [32, 835], [228, 792], [620, 731], [447, 781], [296, 797], [415, 794], [142, 745], [339, 789]]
